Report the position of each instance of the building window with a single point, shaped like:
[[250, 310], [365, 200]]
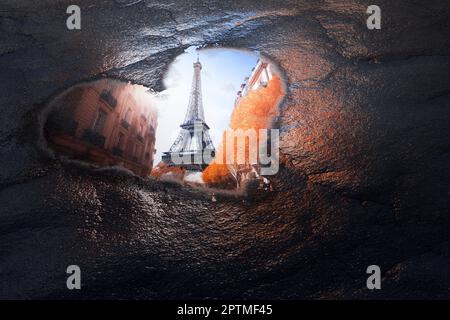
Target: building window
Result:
[[128, 116], [120, 140], [99, 122]]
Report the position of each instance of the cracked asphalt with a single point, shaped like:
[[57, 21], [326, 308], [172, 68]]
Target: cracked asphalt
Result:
[[365, 156]]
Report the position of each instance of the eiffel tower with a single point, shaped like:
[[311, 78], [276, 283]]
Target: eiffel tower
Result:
[[193, 148]]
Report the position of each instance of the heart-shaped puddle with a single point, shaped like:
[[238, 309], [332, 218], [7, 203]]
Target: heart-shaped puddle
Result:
[[211, 127]]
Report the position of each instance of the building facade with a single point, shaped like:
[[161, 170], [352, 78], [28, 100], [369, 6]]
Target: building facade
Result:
[[261, 74], [105, 123], [260, 77]]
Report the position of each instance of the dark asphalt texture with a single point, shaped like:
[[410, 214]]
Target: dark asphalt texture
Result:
[[365, 156]]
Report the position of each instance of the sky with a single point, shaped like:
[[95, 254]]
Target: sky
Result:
[[223, 71]]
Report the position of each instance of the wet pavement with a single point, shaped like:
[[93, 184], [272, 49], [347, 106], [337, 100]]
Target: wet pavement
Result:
[[365, 148]]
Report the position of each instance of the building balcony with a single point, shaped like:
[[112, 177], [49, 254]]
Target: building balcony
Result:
[[94, 138], [109, 98], [124, 124], [263, 83], [117, 152]]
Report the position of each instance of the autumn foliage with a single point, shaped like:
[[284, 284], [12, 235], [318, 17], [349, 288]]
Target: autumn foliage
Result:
[[163, 169], [256, 111]]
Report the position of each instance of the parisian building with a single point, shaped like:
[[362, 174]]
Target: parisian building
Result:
[[261, 74], [103, 123]]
